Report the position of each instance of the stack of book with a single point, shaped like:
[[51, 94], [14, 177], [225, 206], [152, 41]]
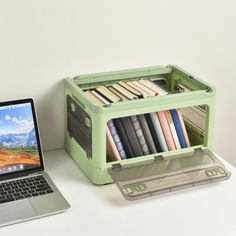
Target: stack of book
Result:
[[144, 134]]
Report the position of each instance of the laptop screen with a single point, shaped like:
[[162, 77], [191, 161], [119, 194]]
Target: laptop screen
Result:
[[19, 140]]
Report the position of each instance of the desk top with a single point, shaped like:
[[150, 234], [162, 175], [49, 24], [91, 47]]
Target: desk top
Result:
[[102, 210]]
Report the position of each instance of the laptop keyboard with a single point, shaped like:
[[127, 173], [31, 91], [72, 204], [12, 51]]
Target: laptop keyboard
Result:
[[24, 188]]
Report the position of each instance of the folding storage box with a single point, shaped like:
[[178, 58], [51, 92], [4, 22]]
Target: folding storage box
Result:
[[86, 123]]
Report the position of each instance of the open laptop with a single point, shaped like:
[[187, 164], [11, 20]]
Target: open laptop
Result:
[[26, 191]]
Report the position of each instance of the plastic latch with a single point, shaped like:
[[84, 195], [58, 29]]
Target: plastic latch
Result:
[[136, 188], [88, 122], [73, 107], [215, 171]]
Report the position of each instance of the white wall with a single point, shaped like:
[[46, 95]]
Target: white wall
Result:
[[41, 42]]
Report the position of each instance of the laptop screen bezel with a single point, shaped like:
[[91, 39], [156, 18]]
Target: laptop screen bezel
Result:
[[41, 166]]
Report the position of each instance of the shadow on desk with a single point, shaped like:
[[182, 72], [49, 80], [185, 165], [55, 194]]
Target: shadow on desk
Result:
[[56, 163]]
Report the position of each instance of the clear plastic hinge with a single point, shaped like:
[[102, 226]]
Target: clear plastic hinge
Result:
[[116, 166], [198, 150], [159, 158]]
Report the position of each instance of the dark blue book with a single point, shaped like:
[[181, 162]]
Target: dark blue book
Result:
[[123, 137], [178, 128]]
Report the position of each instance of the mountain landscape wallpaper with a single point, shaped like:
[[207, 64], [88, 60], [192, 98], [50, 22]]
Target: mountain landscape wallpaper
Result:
[[18, 143]]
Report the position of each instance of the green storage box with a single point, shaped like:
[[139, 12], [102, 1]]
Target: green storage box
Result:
[[145, 175]]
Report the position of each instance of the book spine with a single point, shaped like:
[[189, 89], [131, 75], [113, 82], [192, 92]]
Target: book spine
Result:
[[123, 137], [147, 134], [130, 133], [172, 129], [153, 132], [178, 128], [116, 139], [140, 136], [166, 130], [112, 152], [159, 132], [183, 128]]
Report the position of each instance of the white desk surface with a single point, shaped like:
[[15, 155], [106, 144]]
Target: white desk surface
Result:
[[102, 210]]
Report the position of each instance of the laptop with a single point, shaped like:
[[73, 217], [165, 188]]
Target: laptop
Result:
[[26, 190]]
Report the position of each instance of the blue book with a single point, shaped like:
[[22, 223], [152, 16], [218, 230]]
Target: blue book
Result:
[[178, 128]]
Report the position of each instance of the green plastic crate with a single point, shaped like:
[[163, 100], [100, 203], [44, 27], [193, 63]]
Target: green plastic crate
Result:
[[88, 149]]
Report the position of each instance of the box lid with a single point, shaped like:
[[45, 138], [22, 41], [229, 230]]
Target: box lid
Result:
[[167, 174]]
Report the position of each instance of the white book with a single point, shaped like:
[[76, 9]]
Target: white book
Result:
[[154, 87], [145, 88], [100, 97], [144, 94], [124, 91]]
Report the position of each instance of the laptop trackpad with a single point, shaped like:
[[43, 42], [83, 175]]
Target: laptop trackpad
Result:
[[14, 211]]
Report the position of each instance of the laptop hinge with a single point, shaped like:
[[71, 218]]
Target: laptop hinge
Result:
[[35, 173]]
